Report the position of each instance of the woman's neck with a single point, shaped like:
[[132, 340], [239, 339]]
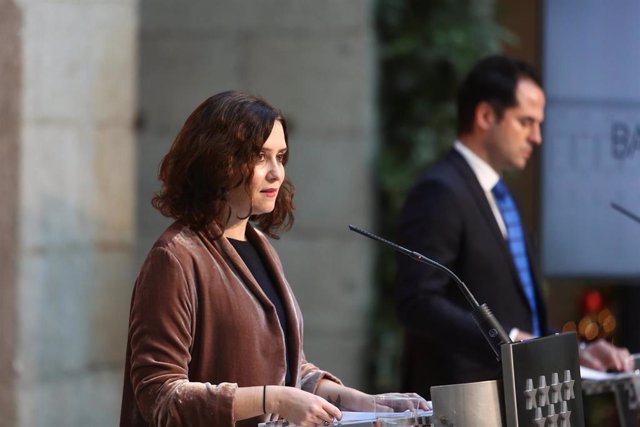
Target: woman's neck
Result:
[[236, 230]]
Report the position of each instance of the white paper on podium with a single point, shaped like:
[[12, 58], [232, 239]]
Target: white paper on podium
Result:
[[350, 417], [592, 374]]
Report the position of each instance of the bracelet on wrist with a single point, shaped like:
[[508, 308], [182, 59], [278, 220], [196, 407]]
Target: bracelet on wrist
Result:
[[264, 399]]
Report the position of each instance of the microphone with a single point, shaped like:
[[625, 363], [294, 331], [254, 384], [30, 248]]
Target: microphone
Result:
[[486, 321]]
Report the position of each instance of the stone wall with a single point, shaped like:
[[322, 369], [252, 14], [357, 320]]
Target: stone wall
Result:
[[10, 86], [315, 61], [67, 221]]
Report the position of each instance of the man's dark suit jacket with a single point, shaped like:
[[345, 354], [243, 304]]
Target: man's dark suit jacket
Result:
[[447, 217]]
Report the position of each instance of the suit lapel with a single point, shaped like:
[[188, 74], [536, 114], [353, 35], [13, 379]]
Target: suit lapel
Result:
[[480, 198]]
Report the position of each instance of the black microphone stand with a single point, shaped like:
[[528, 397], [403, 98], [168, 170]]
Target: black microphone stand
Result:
[[486, 321]]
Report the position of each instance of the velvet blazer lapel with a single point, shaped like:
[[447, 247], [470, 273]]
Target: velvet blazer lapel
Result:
[[274, 266]]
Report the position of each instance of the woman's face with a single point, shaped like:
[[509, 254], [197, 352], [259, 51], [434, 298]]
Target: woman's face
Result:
[[268, 175]]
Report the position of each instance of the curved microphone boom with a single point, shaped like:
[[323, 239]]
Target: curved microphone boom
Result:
[[489, 326]]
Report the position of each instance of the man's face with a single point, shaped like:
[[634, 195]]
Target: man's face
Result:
[[511, 140]]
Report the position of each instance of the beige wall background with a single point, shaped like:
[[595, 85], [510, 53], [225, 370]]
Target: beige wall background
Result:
[[93, 93], [68, 102], [10, 84]]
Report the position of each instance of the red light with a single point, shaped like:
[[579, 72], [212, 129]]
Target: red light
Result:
[[592, 301]]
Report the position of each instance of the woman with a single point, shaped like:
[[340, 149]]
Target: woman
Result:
[[215, 333]]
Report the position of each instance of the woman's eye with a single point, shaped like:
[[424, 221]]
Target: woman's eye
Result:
[[280, 158], [261, 157]]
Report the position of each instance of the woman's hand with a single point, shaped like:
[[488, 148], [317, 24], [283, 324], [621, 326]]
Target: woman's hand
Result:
[[350, 399], [300, 407], [401, 402]]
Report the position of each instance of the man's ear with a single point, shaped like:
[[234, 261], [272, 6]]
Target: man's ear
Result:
[[485, 116]]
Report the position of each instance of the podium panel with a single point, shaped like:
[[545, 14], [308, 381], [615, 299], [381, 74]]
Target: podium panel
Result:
[[541, 379], [476, 404], [540, 386], [613, 400]]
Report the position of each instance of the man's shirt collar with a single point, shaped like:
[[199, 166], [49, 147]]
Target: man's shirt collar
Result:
[[486, 175]]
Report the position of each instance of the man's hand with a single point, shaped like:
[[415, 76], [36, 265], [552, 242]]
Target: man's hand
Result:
[[602, 356]]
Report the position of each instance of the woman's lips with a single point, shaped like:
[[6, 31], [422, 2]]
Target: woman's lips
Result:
[[270, 192]]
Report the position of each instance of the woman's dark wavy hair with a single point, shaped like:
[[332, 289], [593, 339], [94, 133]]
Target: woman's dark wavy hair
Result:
[[214, 152]]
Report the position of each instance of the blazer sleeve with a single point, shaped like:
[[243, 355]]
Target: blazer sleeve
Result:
[[161, 332], [310, 376], [428, 301]]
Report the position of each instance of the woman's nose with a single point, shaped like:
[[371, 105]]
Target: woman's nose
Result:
[[276, 171]]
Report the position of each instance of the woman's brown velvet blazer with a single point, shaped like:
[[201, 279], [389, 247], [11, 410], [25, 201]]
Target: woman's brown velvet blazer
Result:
[[200, 326]]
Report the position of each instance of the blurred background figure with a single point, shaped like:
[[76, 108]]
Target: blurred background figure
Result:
[[461, 213]]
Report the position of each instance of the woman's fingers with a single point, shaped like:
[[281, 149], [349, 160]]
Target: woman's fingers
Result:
[[306, 409], [334, 412]]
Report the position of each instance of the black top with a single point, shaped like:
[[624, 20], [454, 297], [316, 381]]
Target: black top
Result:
[[264, 278]]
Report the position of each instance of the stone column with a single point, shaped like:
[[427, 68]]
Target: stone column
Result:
[[67, 216], [10, 88]]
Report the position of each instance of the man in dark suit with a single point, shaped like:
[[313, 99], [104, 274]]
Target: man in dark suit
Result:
[[461, 214]]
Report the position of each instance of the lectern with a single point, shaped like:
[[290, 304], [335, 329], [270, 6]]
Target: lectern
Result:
[[540, 387]]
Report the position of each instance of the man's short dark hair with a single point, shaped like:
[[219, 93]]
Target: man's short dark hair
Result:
[[493, 80]]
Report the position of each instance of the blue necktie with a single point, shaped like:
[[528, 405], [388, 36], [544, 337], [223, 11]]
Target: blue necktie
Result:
[[515, 238]]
